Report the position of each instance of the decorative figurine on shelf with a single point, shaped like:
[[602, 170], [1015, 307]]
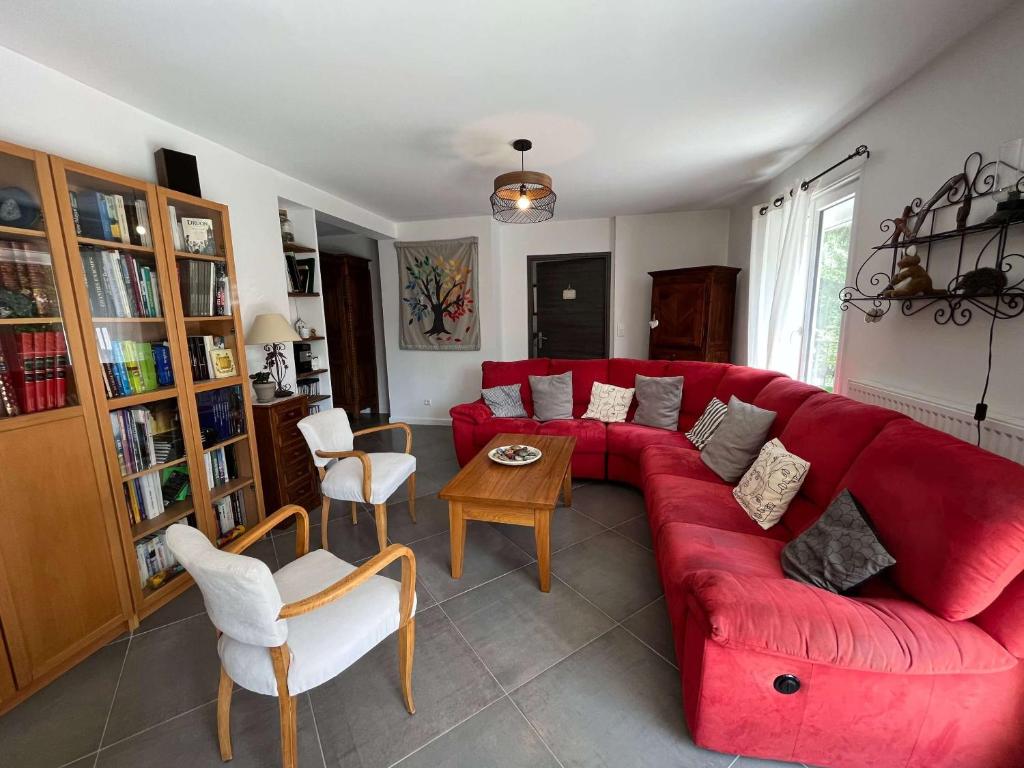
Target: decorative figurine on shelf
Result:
[[985, 281], [302, 328], [1009, 208], [963, 211], [912, 279], [263, 386], [873, 315], [287, 230], [902, 224], [946, 189]]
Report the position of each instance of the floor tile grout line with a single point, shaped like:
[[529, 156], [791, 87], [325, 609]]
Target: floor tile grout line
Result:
[[149, 728], [448, 730], [316, 729], [137, 633], [80, 757], [730, 765], [536, 731], [113, 699], [554, 664]]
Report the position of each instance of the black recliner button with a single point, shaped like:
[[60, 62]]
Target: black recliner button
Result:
[[787, 684]]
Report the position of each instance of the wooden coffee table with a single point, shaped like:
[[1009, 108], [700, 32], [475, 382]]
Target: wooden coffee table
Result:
[[527, 495]]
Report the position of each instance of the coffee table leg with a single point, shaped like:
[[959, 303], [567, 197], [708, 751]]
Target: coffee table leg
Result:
[[457, 526], [567, 487], [542, 535]]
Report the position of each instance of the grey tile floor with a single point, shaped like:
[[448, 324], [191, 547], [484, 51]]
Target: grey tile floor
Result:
[[505, 676]]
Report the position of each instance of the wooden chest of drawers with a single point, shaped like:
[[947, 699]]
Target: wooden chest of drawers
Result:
[[286, 466]]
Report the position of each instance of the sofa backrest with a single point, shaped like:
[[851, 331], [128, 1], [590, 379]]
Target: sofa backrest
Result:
[[783, 395], [700, 380], [584, 374], [950, 513], [746, 383], [497, 374]]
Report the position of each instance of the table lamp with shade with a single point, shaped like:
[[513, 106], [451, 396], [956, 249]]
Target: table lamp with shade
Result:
[[272, 331]]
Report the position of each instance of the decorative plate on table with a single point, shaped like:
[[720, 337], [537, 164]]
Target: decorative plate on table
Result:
[[515, 455]]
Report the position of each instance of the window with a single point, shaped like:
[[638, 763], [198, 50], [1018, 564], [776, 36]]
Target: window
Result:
[[832, 222]]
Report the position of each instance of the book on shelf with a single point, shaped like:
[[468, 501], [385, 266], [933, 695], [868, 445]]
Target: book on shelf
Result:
[[221, 466], [197, 236], [204, 288], [176, 234], [145, 436], [132, 367], [200, 349], [8, 399], [307, 273], [110, 217], [295, 284], [120, 285], [26, 281], [36, 369], [230, 513], [221, 414], [155, 560]]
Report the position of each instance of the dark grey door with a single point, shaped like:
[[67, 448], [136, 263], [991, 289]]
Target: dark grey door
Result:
[[569, 306]]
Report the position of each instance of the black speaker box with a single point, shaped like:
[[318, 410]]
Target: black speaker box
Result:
[[177, 171]]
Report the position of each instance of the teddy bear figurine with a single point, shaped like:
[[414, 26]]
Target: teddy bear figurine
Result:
[[911, 280]]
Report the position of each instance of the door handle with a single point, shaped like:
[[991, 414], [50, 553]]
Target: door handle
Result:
[[541, 338]]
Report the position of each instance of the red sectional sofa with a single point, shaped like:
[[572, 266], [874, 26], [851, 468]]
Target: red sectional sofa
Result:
[[921, 668]]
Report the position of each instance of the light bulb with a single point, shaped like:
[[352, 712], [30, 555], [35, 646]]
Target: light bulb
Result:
[[524, 200]]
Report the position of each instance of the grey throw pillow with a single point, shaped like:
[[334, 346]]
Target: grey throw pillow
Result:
[[658, 399], [552, 396], [505, 401], [839, 551], [738, 439]]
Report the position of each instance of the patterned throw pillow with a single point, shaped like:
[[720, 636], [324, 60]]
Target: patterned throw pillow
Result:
[[770, 484], [839, 551], [707, 423], [608, 403], [505, 401]]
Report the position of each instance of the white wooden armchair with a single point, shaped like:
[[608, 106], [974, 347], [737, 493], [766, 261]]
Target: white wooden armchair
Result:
[[281, 634], [356, 476]]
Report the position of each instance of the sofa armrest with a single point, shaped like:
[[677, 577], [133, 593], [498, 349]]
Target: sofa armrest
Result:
[[474, 412], [786, 618]]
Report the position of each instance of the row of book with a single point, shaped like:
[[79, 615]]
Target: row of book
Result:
[[230, 512], [221, 414], [221, 466], [131, 367], [200, 356], [191, 234], [120, 285], [148, 495], [156, 561], [204, 288], [26, 281], [146, 436], [33, 371], [111, 217]]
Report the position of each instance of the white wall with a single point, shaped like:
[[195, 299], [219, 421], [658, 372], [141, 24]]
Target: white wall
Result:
[[970, 98], [649, 242], [366, 248]]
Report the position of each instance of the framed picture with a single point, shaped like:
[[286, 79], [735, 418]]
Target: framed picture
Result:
[[307, 273], [223, 363]]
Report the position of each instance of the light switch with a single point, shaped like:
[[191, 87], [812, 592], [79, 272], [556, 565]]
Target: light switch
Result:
[[620, 330]]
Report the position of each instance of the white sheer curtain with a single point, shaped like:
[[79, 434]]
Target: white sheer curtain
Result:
[[779, 280]]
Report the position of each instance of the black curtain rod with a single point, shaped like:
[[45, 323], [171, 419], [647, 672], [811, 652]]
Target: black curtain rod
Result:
[[778, 201]]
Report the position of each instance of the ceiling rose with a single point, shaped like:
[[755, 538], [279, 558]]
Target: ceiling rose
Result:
[[523, 197]]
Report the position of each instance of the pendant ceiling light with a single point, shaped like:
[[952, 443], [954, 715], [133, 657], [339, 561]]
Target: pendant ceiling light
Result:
[[523, 197]]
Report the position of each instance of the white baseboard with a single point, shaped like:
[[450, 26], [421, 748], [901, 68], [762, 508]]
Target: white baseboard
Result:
[[424, 421]]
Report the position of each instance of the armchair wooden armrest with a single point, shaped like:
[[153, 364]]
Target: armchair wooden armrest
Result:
[[372, 566], [249, 538], [397, 425], [364, 459]]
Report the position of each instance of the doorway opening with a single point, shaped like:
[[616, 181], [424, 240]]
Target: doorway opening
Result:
[[569, 305]]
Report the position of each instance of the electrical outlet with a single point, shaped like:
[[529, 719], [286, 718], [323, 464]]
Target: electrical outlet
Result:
[[428, 401]]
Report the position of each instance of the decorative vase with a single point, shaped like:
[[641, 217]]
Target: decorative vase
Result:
[[265, 391], [287, 230]]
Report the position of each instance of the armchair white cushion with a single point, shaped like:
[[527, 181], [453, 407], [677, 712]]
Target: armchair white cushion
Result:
[[344, 479], [325, 642]]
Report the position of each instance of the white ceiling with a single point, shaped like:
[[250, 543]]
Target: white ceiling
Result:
[[407, 107]]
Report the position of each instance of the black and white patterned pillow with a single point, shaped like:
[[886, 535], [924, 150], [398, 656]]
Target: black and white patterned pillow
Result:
[[505, 401], [707, 423]]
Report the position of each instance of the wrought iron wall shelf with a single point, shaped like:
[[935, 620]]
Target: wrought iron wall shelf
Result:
[[982, 244]]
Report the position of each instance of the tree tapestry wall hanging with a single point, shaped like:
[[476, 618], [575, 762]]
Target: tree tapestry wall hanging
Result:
[[438, 310]]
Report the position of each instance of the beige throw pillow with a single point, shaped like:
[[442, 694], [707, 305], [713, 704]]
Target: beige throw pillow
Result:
[[771, 483], [608, 403]]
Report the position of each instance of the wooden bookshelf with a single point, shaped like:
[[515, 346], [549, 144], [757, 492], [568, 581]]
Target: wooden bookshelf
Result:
[[296, 248], [228, 326], [303, 295]]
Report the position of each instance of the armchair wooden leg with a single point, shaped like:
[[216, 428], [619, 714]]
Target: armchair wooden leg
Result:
[[224, 715], [325, 508], [286, 707], [412, 496], [406, 650], [355, 514], [380, 514]]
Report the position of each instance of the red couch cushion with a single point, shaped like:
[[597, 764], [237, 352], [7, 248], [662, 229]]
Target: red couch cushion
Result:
[[1004, 619], [622, 371], [830, 431], [745, 383], [497, 374], [673, 499], [589, 434], [629, 439], [676, 461], [685, 549], [950, 513], [584, 374], [699, 383], [783, 395], [488, 428], [785, 618]]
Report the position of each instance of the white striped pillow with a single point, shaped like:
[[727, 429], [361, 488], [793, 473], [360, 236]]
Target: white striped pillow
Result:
[[707, 423]]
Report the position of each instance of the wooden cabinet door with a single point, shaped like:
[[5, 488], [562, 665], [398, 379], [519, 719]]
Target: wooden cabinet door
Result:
[[360, 318], [680, 308]]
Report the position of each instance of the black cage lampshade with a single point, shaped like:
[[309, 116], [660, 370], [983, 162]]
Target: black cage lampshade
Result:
[[523, 197]]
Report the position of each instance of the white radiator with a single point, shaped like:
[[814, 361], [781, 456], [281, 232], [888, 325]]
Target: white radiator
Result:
[[997, 435]]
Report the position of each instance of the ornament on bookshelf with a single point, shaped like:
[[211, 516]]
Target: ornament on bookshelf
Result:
[[873, 315], [223, 363], [984, 281], [287, 229], [912, 279], [263, 386], [18, 209], [302, 328]]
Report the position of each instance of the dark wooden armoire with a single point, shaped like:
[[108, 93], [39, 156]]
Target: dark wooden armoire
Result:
[[694, 309], [351, 349]]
